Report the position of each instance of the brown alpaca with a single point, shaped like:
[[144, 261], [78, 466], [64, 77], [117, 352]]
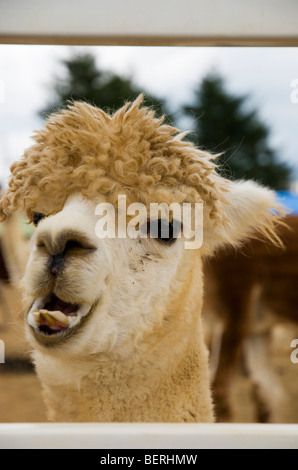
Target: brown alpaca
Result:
[[115, 323], [250, 291], [14, 252]]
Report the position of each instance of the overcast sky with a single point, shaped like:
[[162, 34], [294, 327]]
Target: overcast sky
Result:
[[266, 74]]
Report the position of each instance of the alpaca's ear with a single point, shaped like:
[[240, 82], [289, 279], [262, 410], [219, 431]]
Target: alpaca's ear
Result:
[[248, 210]]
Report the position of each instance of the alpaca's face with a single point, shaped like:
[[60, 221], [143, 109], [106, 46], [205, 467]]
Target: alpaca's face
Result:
[[90, 295]]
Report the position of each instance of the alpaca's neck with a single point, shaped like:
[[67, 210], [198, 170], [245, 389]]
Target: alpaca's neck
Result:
[[155, 390], [165, 380]]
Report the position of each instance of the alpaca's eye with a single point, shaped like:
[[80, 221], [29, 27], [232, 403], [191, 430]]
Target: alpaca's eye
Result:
[[166, 232], [37, 217]]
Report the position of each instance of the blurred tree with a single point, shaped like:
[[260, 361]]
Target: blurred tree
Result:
[[223, 124], [84, 81]]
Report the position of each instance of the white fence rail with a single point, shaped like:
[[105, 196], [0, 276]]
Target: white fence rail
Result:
[[154, 22], [148, 436]]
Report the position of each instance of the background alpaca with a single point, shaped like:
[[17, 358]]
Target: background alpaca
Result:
[[254, 290], [4, 278], [14, 252], [115, 324], [15, 249]]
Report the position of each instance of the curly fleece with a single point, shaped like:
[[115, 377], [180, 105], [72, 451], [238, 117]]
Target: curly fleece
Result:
[[83, 149]]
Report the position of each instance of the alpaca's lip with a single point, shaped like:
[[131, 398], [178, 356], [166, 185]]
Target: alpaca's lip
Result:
[[53, 320]]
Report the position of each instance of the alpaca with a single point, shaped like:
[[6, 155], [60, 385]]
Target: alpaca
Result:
[[14, 252], [4, 279], [115, 324], [250, 292]]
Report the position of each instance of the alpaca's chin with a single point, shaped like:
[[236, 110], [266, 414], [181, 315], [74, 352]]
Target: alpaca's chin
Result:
[[53, 320]]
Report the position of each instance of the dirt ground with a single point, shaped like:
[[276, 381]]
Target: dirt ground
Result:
[[20, 391]]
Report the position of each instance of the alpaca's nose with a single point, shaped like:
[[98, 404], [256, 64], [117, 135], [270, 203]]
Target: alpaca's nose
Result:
[[60, 246], [56, 263]]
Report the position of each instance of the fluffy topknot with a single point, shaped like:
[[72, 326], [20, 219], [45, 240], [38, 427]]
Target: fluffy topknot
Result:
[[82, 149]]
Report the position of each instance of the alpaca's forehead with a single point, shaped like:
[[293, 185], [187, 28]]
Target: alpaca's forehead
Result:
[[160, 195]]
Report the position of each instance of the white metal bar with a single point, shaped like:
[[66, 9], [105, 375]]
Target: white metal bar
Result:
[[148, 436], [196, 22]]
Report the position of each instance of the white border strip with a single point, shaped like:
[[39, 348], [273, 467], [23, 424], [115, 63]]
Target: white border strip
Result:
[[213, 20], [148, 436]]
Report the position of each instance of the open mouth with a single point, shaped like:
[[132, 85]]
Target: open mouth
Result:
[[54, 319]]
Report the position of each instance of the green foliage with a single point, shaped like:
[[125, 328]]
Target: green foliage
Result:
[[223, 124], [84, 81]]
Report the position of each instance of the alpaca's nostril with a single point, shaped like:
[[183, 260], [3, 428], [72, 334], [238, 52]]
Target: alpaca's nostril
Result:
[[74, 244], [40, 244], [56, 263], [70, 247], [64, 242]]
